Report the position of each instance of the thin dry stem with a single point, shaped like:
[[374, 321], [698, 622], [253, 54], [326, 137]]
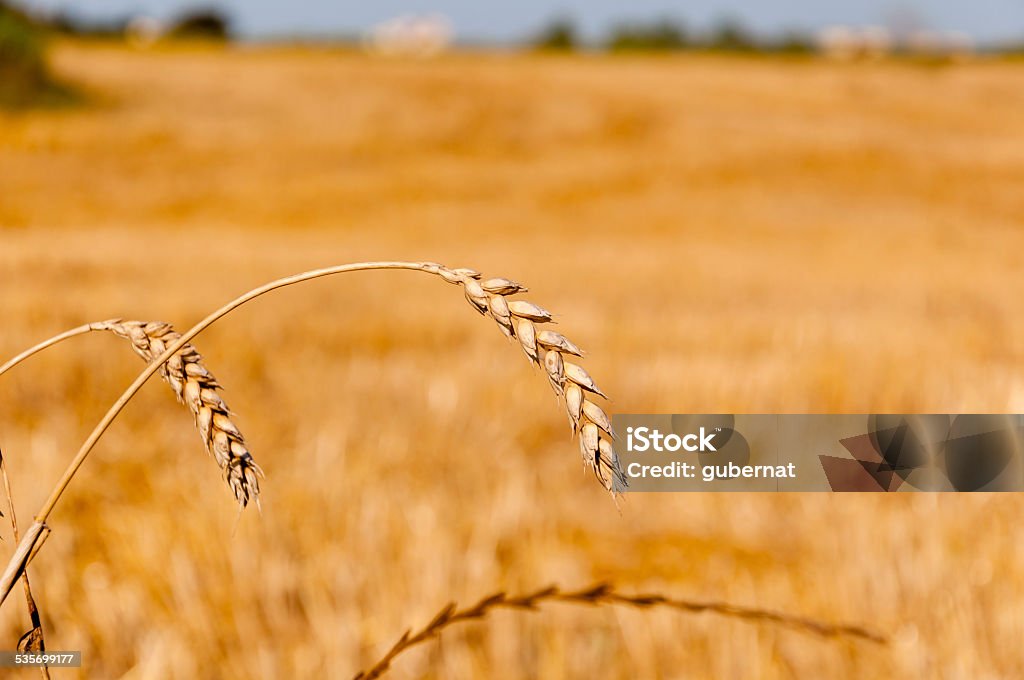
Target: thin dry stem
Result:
[[81, 330], [33, 640], [24, 553], [605, 594]]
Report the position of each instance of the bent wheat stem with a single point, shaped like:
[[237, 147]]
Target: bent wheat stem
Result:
[[81, 330]]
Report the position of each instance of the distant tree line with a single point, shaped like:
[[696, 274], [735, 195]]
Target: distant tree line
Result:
[[197, 23], [666, 34], [26, 79]]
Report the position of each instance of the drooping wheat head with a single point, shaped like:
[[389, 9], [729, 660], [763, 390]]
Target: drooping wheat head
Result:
[[521, 320], [196, 387]]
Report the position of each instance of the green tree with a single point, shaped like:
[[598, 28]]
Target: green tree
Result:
[[24, 77], [560, 34], [663, 34], [731, 36], [206, 23]]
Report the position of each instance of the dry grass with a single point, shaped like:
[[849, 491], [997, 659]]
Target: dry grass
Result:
[[726, 235]]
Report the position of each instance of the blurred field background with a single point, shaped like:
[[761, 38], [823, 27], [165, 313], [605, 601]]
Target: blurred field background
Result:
[[723, 234]]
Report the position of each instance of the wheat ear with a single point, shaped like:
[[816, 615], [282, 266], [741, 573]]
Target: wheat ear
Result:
[[605, 594], [196, 387], [547, 349]]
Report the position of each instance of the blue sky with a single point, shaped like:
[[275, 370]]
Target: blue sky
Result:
[[475, 19]]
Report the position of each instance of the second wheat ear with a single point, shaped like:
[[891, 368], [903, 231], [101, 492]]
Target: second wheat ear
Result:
[[196, 387]]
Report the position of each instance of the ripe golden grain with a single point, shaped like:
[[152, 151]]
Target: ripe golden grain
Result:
[[196, 387]]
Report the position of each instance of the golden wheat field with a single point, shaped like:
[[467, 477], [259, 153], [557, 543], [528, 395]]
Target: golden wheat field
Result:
[[720, 234]]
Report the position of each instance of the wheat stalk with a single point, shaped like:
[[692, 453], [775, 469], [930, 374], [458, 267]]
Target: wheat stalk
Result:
[[605, 594], [167, 351], [517, 318]]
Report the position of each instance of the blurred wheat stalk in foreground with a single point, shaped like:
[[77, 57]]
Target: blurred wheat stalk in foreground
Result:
[[180, 365], [602, 594]]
